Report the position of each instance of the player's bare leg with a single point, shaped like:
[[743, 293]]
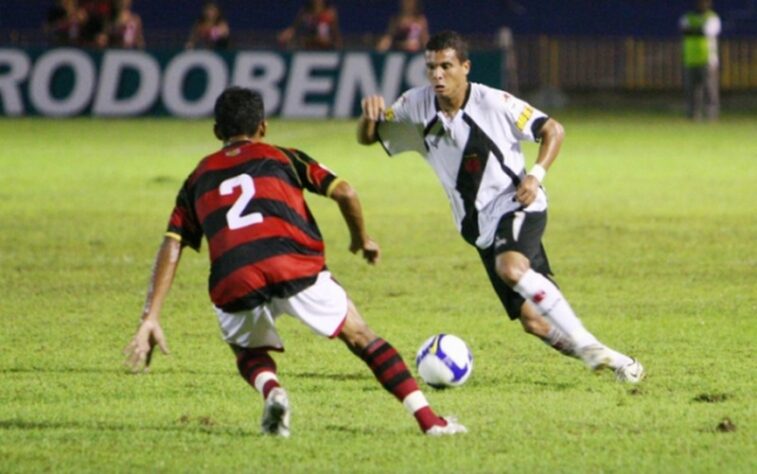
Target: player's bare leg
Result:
[[390, 370], [535, 324], [515, 270], [259, 370]]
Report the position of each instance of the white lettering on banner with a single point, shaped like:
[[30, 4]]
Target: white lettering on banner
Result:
[[84, 78], [358, 79], [114, 63], [261, 72], [415, 74], [177, 71], [18, 65], [65, 82], [301, 83]]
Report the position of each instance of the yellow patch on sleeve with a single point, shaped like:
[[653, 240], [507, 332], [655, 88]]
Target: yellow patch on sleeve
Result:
[[173, 235], [389, 114], [333, 186], [524, 117]]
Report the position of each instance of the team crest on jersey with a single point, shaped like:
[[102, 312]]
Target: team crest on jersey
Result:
[[472, 163], [389, 114]]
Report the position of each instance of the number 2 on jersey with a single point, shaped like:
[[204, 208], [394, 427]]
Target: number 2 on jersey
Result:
[[234, 217]]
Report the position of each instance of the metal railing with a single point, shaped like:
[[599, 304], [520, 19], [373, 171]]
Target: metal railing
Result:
[[627, 64]]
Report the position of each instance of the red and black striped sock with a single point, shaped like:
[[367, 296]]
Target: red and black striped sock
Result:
[[389, 368], [258, 369]]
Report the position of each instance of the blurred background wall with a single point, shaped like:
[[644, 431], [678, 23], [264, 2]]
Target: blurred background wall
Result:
[[361, 18]]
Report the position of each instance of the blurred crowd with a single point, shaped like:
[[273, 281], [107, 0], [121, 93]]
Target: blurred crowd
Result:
[[94, 23], [115, 24]]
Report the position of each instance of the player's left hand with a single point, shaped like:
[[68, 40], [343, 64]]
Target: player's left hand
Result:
[[371, 250], [139, 351], [527, 191]]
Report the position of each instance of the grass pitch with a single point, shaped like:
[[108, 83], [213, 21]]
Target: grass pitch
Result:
[[652, 236]]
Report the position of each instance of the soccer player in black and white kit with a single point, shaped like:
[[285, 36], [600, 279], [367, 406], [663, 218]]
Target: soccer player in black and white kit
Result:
[[469, 134]]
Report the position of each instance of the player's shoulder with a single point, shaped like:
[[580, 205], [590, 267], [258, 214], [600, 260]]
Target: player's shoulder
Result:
[[418, 94], [416, 100], [208, 162], [486, 97], [228, 157]]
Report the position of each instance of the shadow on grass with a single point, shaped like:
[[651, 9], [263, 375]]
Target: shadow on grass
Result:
[[332, 376], [357, 430], [117, 370], [181, 427]]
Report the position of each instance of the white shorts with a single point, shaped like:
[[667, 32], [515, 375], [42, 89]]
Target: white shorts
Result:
[[321, 306]]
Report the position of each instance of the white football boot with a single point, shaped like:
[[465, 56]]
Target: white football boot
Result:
[[451, 428], [595, 356], [276, 413], [630, 373]]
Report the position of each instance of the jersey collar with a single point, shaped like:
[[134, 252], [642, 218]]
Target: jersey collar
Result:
[[465, 101]]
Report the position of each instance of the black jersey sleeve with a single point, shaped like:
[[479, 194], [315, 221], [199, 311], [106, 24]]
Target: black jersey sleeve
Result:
[[313, 176], [183, 224]]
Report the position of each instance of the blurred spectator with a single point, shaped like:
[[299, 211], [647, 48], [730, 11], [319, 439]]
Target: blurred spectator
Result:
[[211, 30], [316, 26], [700, 29], [94, 29], [408, 30], [64, 22], [126, 29]]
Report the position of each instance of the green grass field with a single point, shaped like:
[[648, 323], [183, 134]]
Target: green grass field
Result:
[[652, 237]]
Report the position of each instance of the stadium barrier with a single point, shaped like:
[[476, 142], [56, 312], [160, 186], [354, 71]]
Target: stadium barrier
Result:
[[624, 63], [67, 82]]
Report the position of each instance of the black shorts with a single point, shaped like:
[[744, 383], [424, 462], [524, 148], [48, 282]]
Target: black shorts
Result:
[[520, 232]]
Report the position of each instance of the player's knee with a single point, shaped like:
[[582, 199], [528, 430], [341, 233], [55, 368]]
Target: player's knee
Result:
[[356, 334], [512, 269]]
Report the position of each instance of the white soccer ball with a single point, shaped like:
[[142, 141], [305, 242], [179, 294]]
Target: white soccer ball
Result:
[[444, 360]]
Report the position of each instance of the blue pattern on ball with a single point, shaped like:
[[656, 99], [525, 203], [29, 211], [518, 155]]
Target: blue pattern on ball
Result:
[[457, 371]]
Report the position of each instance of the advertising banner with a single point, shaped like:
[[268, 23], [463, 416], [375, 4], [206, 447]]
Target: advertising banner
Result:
[[67, 82]]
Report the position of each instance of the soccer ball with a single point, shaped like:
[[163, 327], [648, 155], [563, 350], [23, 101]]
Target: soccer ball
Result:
[[444, 360]]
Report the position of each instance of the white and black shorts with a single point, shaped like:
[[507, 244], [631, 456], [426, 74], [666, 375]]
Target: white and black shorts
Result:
[[322, 307], [520, 232]]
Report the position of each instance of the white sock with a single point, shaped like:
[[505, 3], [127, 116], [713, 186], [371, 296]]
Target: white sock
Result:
[[560, 342], [263, 378], [551, 304], [415, 401]]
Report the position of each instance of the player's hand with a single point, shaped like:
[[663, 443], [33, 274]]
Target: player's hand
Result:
[[370, 249], [373, 107], [139, 351], [527, 191]]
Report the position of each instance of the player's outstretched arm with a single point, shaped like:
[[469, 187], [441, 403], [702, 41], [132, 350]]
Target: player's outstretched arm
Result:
[[352, 211], [149, 334], [373, 108]]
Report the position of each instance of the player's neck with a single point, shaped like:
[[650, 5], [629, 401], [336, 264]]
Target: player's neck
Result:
[[241, 139], [451, 105]]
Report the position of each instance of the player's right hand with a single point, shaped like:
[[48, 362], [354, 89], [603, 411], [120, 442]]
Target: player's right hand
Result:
[[373, 107], [370, 249], [139, 351]]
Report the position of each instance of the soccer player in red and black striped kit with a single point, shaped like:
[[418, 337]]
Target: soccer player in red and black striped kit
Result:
[[267, 259]]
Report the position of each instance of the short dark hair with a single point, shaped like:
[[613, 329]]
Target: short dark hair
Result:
[[449, 40], [238, 111]]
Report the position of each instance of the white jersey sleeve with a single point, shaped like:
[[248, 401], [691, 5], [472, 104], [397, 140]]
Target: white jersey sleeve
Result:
[[402, 126], [407, 107], [525, 120]]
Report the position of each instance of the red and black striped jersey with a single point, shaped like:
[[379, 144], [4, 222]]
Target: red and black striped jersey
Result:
[[247, 200]]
